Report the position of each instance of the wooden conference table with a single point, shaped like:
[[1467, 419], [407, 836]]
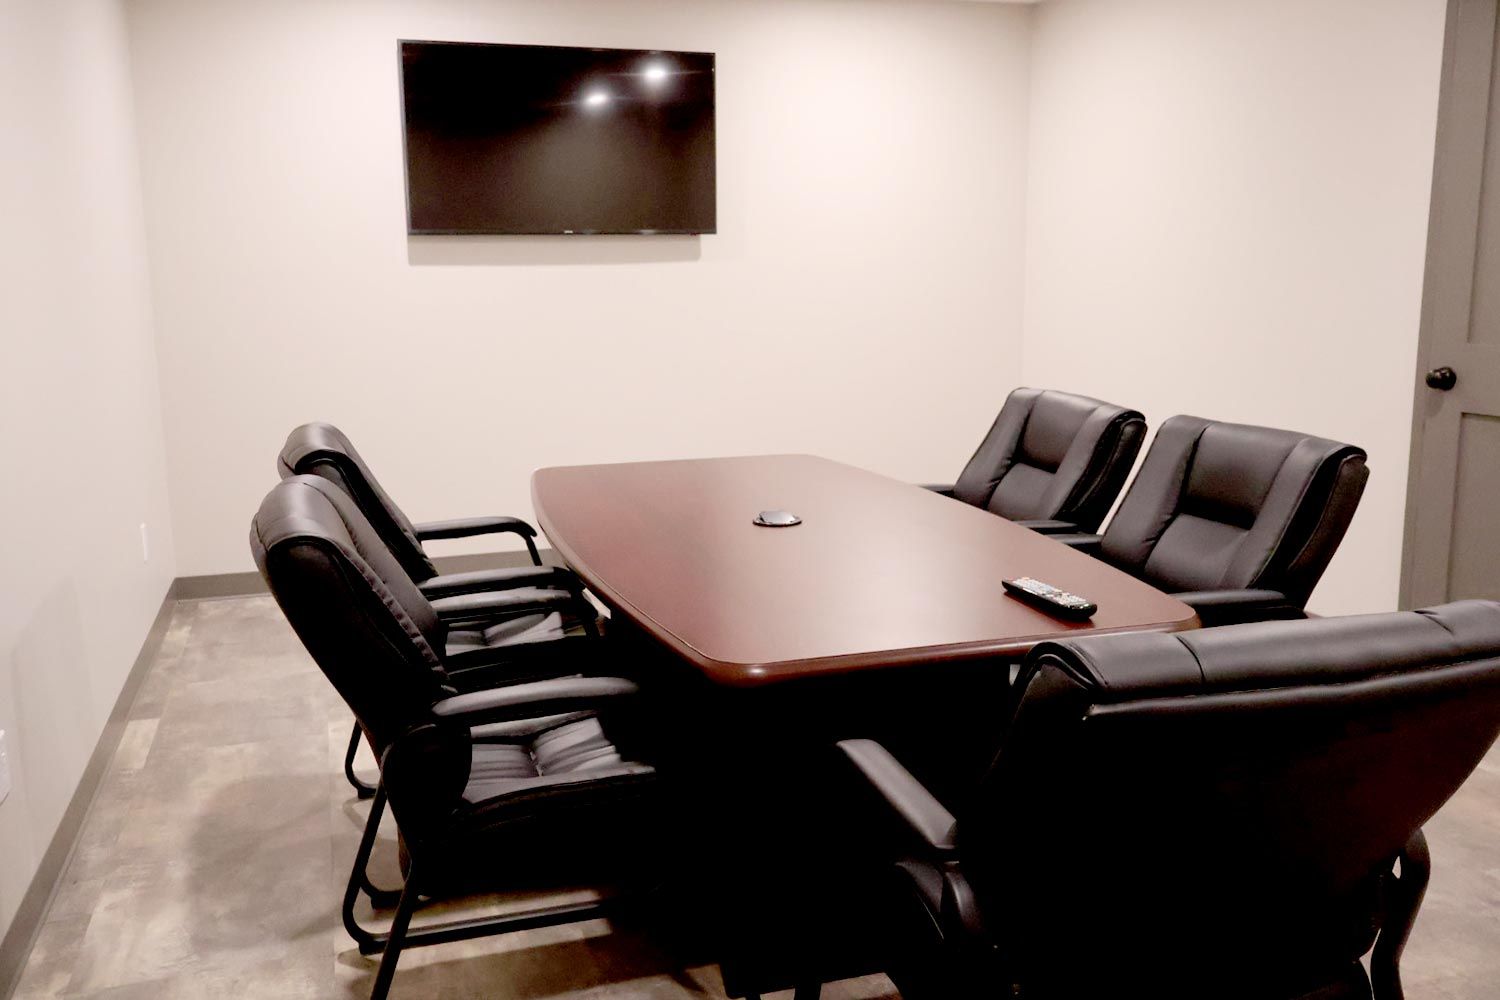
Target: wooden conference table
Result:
[[879, 573], [881, 615]]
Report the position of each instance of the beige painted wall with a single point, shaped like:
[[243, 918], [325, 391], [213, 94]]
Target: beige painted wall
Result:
[[862, 300], [82, 439], [1227, 211]]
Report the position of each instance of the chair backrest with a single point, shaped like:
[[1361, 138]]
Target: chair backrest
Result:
[[320, 449], [1232, 506], [359, 614], [1221, 809], [1053, 455]]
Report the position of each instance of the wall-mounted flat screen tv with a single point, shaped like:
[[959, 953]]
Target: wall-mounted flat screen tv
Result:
[[534, 139]]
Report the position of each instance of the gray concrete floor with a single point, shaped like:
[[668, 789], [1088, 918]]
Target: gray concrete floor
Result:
[[213, 860]]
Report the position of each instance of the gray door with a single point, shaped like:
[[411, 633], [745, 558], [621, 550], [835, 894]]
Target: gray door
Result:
[[1453, 501]]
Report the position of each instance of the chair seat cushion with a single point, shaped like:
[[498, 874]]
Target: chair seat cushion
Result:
[[550, 801], [571, 746], [566, 753], [523, 628]]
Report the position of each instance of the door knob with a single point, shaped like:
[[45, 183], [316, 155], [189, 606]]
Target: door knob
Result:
[[1443, 378]]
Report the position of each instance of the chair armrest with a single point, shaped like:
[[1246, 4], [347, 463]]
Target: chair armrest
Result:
[[906, 796], [942, 489], [502, 603], [1050, 527], [454, 584], [1081, 542], [466, 527], [961, 920], [1234, 607], [526, 701]]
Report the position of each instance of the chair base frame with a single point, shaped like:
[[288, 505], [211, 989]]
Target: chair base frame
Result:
[[1405, 900], [389, 944], [362, 788]]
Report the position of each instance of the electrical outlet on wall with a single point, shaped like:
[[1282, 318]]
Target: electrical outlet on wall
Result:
[[4, 768], [145, 544]]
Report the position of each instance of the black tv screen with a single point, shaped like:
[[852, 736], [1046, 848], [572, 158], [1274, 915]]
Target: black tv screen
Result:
[[541, 139]]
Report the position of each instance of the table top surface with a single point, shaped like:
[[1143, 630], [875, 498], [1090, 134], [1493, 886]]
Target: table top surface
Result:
[[879, 573]]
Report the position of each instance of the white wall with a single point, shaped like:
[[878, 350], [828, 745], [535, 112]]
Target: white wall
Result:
[[1218, 206], [81, 444], [1225, 214], [862, 299], [1227, 210]]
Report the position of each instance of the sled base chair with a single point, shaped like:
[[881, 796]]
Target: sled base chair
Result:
[[1052, 461], [1238, 522], [1232, 813], [482, 781], [493, 607]]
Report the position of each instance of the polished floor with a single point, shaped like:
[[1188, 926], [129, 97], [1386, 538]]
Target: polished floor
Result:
[[212, 862]]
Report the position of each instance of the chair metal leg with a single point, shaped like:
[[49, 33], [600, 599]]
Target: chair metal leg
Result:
[[358, 878], [536, 557], [379, 898], [396, 938], [401, 936], [361, 788], [371, 942], [1405, 900]]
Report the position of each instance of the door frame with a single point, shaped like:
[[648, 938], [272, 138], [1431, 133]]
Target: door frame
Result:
[[1469, 55]]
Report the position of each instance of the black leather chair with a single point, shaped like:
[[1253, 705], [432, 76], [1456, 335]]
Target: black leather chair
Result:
[[1237, 521], [1207, 814], [321, 449], [478, 777], [499, 607], [1052, 461]]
